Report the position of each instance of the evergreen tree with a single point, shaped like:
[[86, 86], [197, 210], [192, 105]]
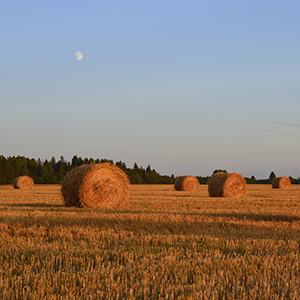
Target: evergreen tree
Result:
[[48, 172], [60, 169], [53, 162], [39, 167], [121, 165], [219, 171], [2, 170], [32, 168], [60, 174], [9, 170], [253, 179], [77, 161], [20, 164], [136, 167], [272, 176]]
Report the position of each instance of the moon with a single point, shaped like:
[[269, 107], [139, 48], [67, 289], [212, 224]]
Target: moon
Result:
[[78, 55]]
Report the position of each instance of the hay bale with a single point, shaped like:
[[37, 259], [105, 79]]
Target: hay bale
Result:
[[230, 185], [281, 183], [95, 185], [186, 183], [23, 182]]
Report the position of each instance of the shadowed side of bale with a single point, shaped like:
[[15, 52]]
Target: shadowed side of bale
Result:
[[95, 185], [71, 185], [231, 185], [178, 183], [186, 183], [23, 182], [281, 183]]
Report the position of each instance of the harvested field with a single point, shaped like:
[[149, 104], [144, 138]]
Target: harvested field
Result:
[[164, 244]]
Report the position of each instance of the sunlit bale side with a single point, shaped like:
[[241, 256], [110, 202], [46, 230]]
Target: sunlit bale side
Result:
[[23, 182], [281, 183], [186, 183], [231, 185], [95, 186]]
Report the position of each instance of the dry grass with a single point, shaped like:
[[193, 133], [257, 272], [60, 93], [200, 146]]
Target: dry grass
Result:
[[163, 244]]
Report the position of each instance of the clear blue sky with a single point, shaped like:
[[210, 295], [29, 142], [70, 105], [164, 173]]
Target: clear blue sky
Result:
[[185, 86]]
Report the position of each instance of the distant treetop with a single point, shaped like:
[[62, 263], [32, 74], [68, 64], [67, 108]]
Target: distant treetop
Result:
[[219, 171], [272, 176]]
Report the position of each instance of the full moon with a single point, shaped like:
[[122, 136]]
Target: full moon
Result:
[[78, 55]]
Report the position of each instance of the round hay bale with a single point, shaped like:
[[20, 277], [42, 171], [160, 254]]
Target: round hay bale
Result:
[[281, 183], [231, 185], [23, 182], [95, 186], [186, 183]]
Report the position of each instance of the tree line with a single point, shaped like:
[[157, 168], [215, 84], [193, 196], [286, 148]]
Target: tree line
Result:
[[250, 180], [53, 172]]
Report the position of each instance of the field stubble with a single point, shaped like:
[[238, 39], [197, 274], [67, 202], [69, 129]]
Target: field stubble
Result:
[[163, 244]]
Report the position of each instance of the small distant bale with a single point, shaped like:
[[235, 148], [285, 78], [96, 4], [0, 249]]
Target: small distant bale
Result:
[[281, 183], [186, 183], [96, 185], [23, 182], [231, 185]]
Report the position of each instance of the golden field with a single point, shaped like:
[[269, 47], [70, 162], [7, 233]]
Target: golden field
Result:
[[164, 244]]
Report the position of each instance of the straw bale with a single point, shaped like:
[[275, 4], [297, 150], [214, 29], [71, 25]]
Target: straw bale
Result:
[[186, 183], [23, 182], [95, 186], [281, 183], [230, 185]]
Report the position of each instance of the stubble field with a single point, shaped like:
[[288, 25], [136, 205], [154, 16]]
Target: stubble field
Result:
[[163, 244]]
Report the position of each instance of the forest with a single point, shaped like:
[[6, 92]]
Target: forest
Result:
[[53, 171]]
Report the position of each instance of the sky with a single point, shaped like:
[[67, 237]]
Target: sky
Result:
[[186, 87]]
